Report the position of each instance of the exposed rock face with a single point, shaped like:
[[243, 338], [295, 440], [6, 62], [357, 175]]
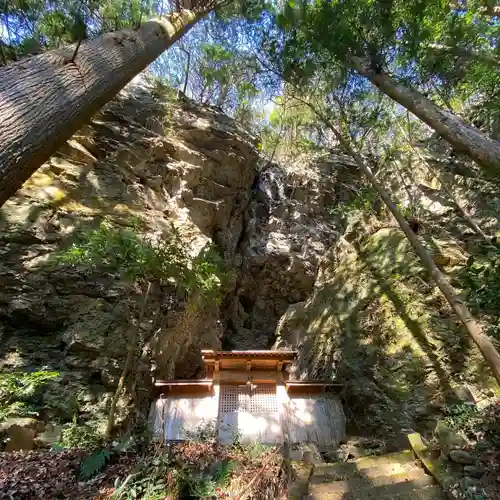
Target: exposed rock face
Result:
[[378, 324], [125, 167], [289, 227], [346, 290]]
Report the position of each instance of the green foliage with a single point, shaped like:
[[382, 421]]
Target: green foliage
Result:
[[476, 424], [407, 211], [94, 463], [16, 390], [464, 417], [362, 204], [206, 431], [148, 481], [481, 278], [207, 484], [256, 450], [158, 476], [32, 26], [80, 436], [18, 409], [124, 251], [224, 77], [168, 96], [222, 473]]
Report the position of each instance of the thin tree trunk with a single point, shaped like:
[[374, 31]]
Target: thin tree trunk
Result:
[[470, 54], [438, 176], [132, 345], [47, 98], [472, 326], [223, 92], [188, 66], [474, 329], [462, 136]]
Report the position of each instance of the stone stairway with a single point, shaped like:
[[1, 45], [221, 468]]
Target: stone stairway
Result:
[[387, 477]]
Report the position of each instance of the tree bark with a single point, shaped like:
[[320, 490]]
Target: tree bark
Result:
[[132, 346], [46, 98], [472, 326], [462, 136], [188, 67]]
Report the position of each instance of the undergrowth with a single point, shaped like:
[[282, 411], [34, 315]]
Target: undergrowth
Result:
[[358, 207], [17, 390], [165, 261], [477, 424], [480, 279], [80, 436], [167, 95], [160, 475]]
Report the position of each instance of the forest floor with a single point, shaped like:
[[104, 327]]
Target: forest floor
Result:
[[187, 470]]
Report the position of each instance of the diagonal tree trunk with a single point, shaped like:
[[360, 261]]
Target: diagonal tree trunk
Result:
[[472, 326], [462, 136], [474, 329], [46, 98]]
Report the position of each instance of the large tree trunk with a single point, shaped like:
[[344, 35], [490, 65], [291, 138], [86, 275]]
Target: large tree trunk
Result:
[[474, 329], [463, 137], [46, 98]]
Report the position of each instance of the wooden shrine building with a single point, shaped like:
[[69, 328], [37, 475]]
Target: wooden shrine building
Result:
[[249, 394]]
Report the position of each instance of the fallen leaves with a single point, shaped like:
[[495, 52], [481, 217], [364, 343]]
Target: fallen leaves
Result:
[[42, 475]]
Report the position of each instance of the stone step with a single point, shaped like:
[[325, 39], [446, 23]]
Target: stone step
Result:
[[427, 493], [322, 474], [344, 470], [421, 489], [434, 492], [371, 480]]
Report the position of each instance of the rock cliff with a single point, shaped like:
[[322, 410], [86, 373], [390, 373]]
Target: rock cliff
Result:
[[376, 322], [151, 169], [289, 227], [240, 254], [154, 169]]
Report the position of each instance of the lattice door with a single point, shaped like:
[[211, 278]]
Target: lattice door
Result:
[[261, 399], [251, 414]]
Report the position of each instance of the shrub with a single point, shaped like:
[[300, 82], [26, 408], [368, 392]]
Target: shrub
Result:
[[16, 391], [94, 463], [149, 480], [204, 432], [360, 205], [80, 436], [124, 251], [477, 424]]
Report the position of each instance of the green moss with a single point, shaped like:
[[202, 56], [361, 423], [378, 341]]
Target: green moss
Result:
[[18, 391], [373, 323]]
